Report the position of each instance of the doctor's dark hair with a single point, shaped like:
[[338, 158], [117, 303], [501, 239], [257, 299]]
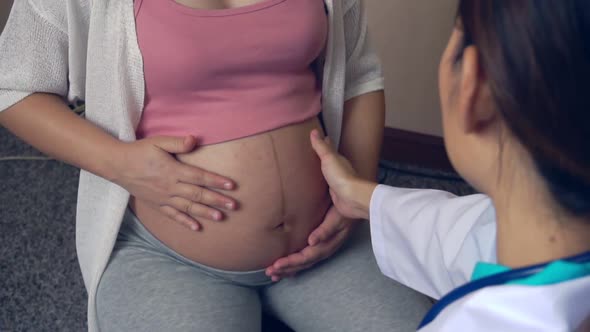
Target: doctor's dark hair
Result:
[[536, 57]]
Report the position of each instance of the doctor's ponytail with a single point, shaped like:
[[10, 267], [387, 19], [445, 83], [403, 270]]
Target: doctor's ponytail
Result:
[[536, 56]]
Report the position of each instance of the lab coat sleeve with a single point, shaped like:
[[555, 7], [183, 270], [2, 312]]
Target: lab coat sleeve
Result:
[[430, 240]]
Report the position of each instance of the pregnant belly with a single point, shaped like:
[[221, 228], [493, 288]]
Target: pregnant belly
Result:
[[282, 197]]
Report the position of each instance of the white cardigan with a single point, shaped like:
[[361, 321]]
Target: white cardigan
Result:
[[87, 50]]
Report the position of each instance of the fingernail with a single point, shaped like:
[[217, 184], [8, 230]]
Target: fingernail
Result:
[[216, 215], [228, 185], [194, 227], [229, 205]]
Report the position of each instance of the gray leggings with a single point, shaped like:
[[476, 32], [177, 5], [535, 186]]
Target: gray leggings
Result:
[[149, 287]]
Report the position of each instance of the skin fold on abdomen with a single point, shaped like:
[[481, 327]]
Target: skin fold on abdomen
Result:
[[282, 197]]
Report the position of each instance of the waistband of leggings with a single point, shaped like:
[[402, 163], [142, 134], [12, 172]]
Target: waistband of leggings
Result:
[[133, 228]]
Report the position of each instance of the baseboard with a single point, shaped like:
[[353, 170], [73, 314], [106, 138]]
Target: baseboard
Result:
[[414, 148]]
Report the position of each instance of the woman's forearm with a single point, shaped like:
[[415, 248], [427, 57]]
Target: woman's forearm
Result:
[[362, 136], [362, 133], [46, 122]]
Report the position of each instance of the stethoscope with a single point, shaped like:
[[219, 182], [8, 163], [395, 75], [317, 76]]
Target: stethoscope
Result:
[[493, 280]]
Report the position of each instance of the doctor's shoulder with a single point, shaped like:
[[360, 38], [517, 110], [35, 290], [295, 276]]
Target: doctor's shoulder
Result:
[[563, 307]]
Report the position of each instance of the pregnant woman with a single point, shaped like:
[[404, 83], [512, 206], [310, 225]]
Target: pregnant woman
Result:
[[199, 192]]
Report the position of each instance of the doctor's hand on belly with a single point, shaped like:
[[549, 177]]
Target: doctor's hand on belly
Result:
[[337, 225], [350, 193], [150, 172], [324, 241]]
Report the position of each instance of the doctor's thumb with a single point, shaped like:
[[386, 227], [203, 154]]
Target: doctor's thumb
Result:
[[322, 147]]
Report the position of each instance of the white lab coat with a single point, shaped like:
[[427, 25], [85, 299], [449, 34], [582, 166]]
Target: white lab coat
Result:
[[431, 240]]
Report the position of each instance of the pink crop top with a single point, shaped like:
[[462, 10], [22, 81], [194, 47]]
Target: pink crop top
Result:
[[229, 73]]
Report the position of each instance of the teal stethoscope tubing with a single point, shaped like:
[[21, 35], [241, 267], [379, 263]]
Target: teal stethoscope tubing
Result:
[[493, 280]]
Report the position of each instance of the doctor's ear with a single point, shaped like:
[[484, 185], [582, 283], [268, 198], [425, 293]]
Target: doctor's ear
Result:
[[476, 110]]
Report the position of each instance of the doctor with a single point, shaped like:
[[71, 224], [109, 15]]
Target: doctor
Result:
[[514, 86]]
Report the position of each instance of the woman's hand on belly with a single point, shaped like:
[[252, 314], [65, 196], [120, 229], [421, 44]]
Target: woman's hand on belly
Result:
[[151, 173], [282, 198], [323, 242]]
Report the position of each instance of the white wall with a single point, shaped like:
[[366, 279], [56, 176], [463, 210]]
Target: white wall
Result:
[[410, 36], [4, 11]]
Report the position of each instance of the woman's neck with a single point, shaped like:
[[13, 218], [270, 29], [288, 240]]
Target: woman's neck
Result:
[[530, 229]]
